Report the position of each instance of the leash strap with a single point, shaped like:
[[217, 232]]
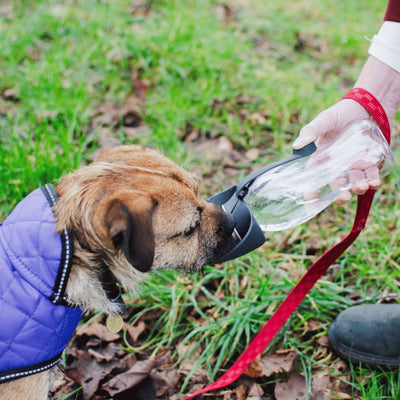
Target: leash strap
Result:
[[317, 269]]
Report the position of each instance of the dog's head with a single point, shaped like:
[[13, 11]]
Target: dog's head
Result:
[[133, 210]]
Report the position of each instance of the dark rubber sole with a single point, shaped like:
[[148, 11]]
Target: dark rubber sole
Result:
[[355, 356]]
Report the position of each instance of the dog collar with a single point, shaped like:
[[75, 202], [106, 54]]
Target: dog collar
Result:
[[108, 281], [112, 289]]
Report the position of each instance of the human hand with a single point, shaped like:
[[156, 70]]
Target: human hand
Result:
[[324, 128], [381, 81]]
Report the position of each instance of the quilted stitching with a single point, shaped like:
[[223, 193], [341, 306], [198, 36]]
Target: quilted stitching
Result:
[[31, 242], [33, 329]]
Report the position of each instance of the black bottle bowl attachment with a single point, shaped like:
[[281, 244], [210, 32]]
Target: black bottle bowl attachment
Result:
[[248, 233]]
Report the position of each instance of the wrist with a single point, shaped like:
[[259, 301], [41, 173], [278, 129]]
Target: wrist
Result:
[[374, 108], [383, 82]]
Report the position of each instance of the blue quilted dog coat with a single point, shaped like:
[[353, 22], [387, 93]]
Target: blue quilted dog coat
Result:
[[36, 323]]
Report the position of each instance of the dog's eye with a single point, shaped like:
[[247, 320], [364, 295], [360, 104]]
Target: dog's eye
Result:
[[190, 231]]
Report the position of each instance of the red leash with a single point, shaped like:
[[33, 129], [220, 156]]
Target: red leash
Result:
[[317, 269]]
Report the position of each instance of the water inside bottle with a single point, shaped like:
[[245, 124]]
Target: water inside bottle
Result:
[[295, 192]]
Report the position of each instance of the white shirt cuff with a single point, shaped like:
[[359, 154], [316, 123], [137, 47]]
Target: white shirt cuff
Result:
[[385, 45]]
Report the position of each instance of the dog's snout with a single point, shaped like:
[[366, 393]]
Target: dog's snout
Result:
[[226, 221]]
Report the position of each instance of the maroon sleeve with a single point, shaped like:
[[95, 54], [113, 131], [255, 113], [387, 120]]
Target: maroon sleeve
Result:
[[393, 11]]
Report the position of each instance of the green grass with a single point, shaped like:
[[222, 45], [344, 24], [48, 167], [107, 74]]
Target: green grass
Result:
[[245, 78]]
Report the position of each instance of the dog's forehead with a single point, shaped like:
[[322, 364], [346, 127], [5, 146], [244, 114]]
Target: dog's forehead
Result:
[[177, 196], [176, 210], [147, 161]]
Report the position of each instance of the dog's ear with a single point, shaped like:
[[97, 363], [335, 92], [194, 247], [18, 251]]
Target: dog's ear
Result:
[[131, 230]]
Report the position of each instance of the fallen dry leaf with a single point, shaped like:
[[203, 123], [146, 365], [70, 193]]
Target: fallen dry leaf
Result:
[[255, 368], [323, 341], [255, 390], [98, 330], [106, 137], [87, 372], [188, 355], [313, 325], [140, 8], [252, 154], [166, 382], [310, 44], [111, 114], [319, 386], [293, 389], [241, 392], [135, 331], [129, 379], [131, 113], [139, 85], [108, 353], [224, 13], [105, 114], [11, 95], [6, 10], [278, 362]]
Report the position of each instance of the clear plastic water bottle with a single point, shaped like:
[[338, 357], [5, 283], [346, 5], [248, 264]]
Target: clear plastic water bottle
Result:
[[296, 191]]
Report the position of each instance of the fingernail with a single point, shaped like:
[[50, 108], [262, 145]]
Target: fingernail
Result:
[[375, 183], [343, 198], [298, 142]]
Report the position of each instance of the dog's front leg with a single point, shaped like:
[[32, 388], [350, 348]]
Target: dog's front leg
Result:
[[34, 387]]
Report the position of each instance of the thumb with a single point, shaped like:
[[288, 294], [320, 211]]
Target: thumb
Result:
[[306, 136], [330, 122], [319, 126]]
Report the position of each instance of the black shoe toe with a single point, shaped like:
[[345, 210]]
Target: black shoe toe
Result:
[[369, 334]]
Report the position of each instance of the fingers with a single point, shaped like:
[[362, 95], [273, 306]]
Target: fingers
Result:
[[364, 179], [343, 198], [307, 135], [361, 181], [359, 176], [358, 182], [372, 174]]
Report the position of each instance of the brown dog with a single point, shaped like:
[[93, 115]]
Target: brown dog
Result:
[[129, 211]]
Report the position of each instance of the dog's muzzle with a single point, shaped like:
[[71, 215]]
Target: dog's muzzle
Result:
[[247, 234]]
